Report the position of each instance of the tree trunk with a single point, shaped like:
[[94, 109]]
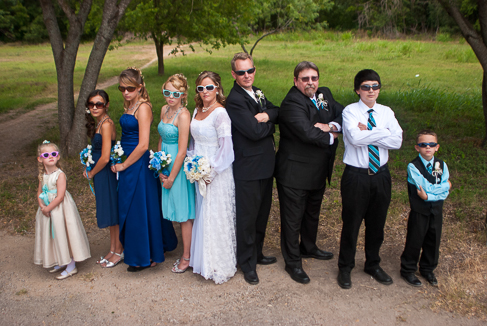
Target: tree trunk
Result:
[[476, 41], [160, 53], [71, 118]]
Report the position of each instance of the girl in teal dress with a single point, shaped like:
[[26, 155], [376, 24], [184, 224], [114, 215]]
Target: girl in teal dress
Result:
[[178, 198]]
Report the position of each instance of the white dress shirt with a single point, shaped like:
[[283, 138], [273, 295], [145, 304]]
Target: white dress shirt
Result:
[[387, 135]]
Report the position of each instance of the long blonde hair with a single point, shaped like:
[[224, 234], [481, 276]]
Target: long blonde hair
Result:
[[42, 169], [133, 77], [218, 83], [179, 82]]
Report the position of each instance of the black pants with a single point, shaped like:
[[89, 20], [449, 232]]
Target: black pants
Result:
[[364, 197], [424, 232], [300, 214], [253, 203]]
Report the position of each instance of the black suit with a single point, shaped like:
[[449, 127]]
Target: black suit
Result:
[[253, 144], [303, 163]]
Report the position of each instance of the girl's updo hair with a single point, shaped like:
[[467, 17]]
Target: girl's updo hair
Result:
[[40, 150], [133, 77], [179, 82], [90, 121], [218, 83]]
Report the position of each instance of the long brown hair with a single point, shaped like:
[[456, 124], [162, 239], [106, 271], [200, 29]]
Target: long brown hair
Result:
[[40, 165], [133, 77], [218, 82], [90, 121]]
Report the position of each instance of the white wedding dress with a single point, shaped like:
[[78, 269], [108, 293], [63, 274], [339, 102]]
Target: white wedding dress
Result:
[[213, 242]]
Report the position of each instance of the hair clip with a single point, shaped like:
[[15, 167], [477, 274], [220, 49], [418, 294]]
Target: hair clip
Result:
[[88, 111], [138, 70], [46, 142]]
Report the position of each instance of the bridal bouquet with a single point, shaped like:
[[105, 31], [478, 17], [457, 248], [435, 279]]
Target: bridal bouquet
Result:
[[87, 160], [198, 168], [158, 162]]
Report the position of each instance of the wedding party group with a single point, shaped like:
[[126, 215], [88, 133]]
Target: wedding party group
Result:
[[213, 174]]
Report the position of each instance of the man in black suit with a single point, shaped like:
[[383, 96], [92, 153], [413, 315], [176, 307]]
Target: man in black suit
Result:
[[309, 122], [253, 117]]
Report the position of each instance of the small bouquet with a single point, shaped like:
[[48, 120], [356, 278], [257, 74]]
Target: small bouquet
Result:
[[87, 160], [158, 162], [198, 168], [116, 155]]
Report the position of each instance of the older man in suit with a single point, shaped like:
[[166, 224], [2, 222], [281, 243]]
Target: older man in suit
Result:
[[309, 122], [253, 117]]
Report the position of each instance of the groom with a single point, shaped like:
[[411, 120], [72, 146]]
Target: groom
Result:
[[309, 122], [253, 117]]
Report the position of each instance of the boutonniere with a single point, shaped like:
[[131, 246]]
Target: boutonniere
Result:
[[437, 171], [260, 97], [322, 102]]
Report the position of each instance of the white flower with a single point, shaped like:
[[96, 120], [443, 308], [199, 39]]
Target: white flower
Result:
[[417, 75], [259, 94], [437, 165], [322, 102], [89, 146]]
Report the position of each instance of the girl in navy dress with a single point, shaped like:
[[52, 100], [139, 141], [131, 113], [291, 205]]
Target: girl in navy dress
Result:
[[101, 130], [144, 234]]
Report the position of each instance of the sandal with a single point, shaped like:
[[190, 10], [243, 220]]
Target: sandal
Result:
[[110, 264], [176, 269], [103, 260]]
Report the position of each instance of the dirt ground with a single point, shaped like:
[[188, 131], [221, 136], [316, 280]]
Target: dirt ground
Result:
[[29, 295]]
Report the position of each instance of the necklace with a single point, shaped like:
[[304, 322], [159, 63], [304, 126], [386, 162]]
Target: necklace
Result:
[[50, 172], [167, 111], [101, 121], [204, 110], [132, 107]]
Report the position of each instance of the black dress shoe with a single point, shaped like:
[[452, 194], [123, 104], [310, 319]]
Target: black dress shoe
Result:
[[411, 279], [318, 254], [136, 268], [431, 278], [266, 260], [298, 274], [251, 278], [344, 280], [379, 275]]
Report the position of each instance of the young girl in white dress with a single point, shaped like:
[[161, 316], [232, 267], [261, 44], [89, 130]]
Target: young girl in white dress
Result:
[[60, 236]]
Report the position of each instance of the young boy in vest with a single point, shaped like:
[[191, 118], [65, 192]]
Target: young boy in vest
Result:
[[428, 187]]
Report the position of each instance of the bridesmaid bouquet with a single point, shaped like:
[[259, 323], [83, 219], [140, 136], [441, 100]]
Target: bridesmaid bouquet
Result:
[[198, 168], [158, 162], [116, 154], [87, 160]]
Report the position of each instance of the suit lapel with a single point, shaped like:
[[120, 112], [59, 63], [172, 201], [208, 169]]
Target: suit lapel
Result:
[[255, 106]]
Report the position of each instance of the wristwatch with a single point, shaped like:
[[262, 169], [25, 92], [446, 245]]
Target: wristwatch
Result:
[[330, 125]]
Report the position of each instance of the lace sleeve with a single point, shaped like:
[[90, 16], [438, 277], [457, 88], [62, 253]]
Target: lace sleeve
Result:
[[224, 156]]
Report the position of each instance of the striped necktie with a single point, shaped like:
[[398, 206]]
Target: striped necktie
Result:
[[374, 158], [316, 104], [429, 167]]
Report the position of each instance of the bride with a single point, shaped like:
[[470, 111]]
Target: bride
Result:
[[213, 243]]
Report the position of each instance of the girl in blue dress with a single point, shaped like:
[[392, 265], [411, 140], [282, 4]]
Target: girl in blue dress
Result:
[[101, 130], [178, 198], [144, 234]]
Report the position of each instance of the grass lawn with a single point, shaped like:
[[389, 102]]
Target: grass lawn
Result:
[[433, 85]]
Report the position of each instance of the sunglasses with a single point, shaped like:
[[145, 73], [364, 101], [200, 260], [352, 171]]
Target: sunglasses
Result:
[[209, 88], [47, 154], [168, 93], [130, 89], [99, 105], [368, 87], [427, 144], [242, 72], [306, 79]]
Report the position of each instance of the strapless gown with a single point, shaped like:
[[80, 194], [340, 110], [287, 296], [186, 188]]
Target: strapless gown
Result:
[[105, 184], [144, 234], [177, 202]]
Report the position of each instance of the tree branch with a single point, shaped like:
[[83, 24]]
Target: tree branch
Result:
[[271, 32]]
